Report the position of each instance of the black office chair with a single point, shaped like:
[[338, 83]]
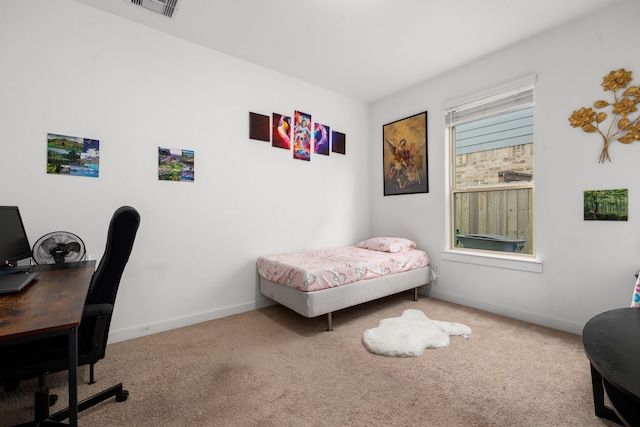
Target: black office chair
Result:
[[36, 359]]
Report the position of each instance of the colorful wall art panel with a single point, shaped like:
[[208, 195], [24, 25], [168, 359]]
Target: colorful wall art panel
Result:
[[338, 142], [71, 155], [296, 132], [321, 139], [281, 133], [175, 164], [302, 136], [259, 127]]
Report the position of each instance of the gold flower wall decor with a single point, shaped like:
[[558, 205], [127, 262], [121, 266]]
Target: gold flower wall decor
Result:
[[622, 127]]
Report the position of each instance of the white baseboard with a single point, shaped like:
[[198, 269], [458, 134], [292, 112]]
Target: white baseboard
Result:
[[535, 318], [167, 325]]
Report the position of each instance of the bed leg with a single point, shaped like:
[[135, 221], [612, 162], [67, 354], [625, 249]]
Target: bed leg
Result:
[[415, 294], [329, 322]]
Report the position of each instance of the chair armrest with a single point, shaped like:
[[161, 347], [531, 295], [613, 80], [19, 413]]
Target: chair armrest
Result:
[[93, 332], [95, 310]]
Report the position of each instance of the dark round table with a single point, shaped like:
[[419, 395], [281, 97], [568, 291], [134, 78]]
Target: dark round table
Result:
[[612, 344]]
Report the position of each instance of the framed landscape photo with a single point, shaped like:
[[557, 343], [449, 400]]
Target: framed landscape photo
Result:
[[606, 205], [404, 156], [73, 156]]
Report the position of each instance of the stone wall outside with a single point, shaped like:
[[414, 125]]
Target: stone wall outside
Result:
[[483, 167]]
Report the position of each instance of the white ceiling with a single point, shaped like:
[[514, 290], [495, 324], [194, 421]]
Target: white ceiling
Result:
[[366, 49]]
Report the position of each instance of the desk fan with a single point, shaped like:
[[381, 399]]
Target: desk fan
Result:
[[58, 247]]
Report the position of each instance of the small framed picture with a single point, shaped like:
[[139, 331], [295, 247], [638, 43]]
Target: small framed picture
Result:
[[606, 205]]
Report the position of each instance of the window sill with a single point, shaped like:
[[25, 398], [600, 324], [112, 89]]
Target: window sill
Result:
[[531, 265]]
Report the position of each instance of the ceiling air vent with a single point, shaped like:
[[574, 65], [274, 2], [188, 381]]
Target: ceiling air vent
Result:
[[163, 7]]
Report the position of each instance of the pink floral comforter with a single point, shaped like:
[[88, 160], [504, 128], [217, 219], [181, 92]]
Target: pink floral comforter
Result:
[[322, 269]]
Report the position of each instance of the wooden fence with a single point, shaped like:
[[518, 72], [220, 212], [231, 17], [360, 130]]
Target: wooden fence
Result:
[[504, 212]]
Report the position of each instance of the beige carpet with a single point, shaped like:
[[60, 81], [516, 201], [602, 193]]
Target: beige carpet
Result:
[[272, 367]]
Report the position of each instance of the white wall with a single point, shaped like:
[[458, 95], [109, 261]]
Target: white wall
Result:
[[588, 267], [70, 69]]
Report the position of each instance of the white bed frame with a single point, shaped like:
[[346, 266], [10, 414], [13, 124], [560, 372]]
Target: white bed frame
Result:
[[326, 301]]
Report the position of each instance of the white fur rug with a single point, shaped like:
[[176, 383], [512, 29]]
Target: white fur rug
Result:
[[411, 334]]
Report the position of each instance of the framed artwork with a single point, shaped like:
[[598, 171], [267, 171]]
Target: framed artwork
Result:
[[176, 164], [259, 127], [338, 142], [404, 156], [281, 133], [73, 156], [296, 133], [606, 205], [320, 139], [301, 136]]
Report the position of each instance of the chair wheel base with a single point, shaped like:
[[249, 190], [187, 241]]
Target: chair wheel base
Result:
[[53, 398], [122, 396], [115, 391]]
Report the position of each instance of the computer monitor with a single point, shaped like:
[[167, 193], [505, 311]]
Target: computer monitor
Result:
[[14, 244]]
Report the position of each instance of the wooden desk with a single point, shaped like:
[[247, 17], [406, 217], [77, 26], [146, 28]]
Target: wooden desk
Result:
[[611, 343], [51, 305]]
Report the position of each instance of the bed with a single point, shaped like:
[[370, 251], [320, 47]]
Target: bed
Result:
[[315, 283]]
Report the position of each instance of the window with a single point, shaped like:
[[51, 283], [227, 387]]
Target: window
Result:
[[492, 170]]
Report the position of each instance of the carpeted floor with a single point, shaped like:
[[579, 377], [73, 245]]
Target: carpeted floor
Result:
[[272, 367]]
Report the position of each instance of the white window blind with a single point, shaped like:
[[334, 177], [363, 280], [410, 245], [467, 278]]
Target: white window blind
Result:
[[509, 97]]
